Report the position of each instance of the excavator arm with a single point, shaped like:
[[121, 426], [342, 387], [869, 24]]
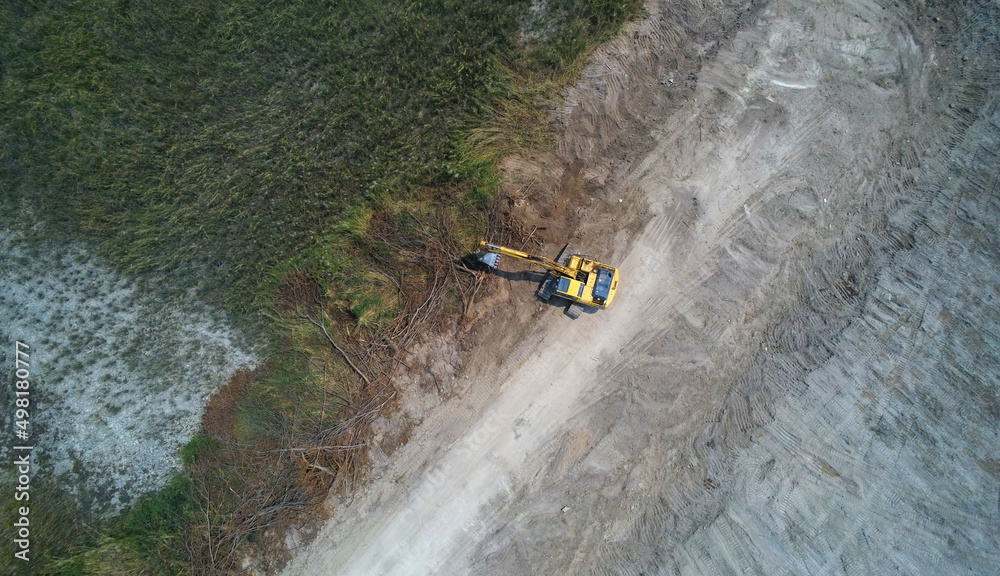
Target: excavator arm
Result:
[[548, 264]]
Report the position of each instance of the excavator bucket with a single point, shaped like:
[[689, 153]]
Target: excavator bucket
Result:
[[491, 259]]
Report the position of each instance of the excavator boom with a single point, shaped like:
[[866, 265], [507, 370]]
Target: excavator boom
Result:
[[547, 263]]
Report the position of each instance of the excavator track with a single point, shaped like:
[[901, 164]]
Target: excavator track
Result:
[[574, 310], [564, 256], [548, 286]]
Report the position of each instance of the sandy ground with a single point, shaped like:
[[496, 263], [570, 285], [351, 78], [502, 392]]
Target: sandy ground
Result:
[[800, 373]]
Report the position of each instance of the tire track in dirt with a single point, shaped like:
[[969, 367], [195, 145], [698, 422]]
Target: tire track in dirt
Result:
[[878, 216], [714, 555], [755, 372]]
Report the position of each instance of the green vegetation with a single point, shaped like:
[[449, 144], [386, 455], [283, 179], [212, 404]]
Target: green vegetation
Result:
[[52, 533], [236, 145], [154, 525], [226, 138]]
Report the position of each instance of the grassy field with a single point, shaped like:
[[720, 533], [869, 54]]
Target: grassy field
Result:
[[235, 144], [228, 137], [224, 139]]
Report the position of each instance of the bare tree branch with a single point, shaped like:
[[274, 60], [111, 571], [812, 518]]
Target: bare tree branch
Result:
[[321, 324]]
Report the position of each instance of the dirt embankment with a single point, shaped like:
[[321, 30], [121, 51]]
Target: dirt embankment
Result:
[[799, 374]]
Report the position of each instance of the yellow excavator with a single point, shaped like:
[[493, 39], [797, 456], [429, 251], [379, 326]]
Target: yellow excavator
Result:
[[582, 280]]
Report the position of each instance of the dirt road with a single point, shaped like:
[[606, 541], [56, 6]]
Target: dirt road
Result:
[[800, 374]]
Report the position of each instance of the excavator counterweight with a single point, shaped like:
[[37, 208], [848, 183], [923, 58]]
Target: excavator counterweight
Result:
[[576, 278]]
